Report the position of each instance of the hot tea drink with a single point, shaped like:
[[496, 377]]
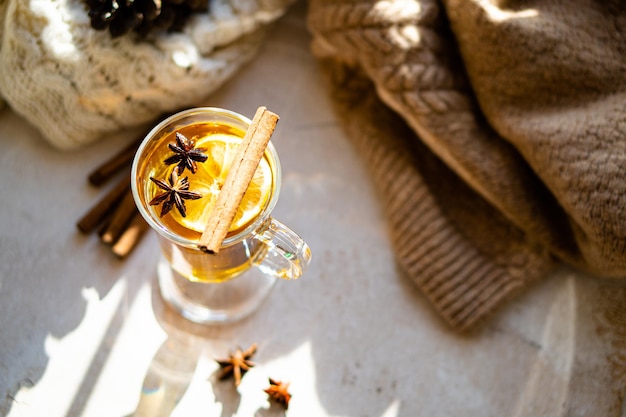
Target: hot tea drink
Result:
[[178, 175]]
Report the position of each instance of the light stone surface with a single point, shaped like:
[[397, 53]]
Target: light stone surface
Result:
[[83, 334]]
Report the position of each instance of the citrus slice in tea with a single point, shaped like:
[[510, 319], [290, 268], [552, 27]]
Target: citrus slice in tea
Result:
[[210, 177]]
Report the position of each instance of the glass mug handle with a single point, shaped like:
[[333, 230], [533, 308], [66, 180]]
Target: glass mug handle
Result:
[[287, 255]]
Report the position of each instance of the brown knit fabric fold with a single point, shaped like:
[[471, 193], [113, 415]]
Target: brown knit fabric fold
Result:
[[437, 223], [490, 161]]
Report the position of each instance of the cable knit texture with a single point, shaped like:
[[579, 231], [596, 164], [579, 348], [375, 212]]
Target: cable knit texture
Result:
[[496, 132], [76, 84]]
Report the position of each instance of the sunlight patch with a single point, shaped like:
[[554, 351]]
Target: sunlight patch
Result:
[[70, 358]]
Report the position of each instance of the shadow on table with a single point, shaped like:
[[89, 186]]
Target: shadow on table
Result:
[[178, 360], [52, 317], [176, 363], [169, 376], [49, 273], [167, 379]]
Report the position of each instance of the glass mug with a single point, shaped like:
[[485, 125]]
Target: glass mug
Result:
[[229, 285]]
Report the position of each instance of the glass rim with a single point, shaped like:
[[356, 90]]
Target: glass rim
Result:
[[164, 231]]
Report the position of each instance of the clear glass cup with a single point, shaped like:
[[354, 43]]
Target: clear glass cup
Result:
[[229, 285]]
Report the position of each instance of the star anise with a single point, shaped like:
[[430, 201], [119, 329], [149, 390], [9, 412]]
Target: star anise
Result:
[[185, 154], [237, 364], [175, 193], [278, 391]]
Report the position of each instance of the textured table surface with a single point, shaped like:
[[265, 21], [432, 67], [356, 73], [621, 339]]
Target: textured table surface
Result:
[[84, 334]]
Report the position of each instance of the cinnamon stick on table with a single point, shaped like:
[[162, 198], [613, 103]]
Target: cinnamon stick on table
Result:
[[104, 206], [120, 219], [240, 174], [111, 166], [131, 236]]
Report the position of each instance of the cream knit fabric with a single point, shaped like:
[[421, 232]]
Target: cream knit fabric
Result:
[[76, 84]]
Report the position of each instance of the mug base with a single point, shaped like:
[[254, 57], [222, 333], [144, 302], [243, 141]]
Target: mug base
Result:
[[214, 303]]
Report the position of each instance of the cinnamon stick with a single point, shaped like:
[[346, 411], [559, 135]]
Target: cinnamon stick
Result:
[[110, 167], [240, 174], [131, 236], [103, 207], [104, 225], [121, 216]]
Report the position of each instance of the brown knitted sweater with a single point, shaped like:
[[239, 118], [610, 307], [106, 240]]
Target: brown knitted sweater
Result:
[[496, 134]]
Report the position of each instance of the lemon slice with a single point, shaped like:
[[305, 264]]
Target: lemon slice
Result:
[[210, 177]]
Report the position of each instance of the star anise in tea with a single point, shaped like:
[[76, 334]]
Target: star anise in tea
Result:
[[174, 195], [185, 154], [279, 392], [237, 364]]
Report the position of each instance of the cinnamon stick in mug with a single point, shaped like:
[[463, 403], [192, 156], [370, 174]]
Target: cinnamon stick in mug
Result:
[[240, 174]]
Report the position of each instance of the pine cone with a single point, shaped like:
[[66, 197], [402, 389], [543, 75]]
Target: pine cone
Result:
[[120, 17]]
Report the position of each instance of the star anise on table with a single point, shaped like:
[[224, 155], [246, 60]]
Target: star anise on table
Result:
[[237, 364], [185, 154], [175, 193], [279, 392]]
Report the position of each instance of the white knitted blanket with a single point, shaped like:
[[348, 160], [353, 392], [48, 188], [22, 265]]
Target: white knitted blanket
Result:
[[76, 84]]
